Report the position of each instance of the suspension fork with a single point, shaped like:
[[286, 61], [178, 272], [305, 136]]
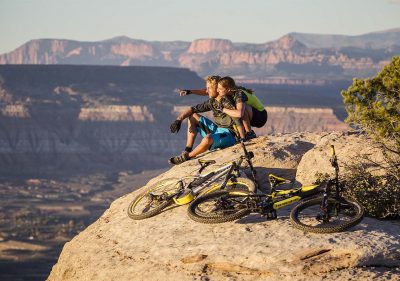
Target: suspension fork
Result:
[[335, 165], [325, 196], [248, 157]]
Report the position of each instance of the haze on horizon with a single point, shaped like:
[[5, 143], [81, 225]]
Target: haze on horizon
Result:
[[253, 21]]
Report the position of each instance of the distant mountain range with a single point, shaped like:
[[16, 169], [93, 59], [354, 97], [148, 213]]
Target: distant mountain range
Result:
[[296, 58]]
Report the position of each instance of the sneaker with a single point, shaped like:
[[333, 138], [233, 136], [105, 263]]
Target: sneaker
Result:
[[180, 158], [250, 135]]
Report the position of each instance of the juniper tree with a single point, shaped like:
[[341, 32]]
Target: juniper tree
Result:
[[373, 105]]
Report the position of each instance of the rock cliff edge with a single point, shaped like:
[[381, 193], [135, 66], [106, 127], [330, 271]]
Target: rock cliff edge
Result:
[[172, 247]]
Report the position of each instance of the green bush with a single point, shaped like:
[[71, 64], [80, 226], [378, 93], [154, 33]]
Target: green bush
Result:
[[373, 105], [380, 195]]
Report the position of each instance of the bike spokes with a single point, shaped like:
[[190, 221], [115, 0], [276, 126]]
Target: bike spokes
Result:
[[154, 200], [220, 206], [336, 215], [149, 202]]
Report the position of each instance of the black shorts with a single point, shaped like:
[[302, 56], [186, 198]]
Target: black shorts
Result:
[[259, 118]]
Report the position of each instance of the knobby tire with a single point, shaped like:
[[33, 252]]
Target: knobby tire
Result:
[[304, 215], [151, 208], [224, 206]]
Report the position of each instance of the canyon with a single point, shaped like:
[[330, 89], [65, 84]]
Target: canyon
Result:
[[55, 119], [75, 138], [85, 123]]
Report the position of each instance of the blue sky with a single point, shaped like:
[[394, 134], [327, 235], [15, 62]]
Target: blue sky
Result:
[[254, 21]]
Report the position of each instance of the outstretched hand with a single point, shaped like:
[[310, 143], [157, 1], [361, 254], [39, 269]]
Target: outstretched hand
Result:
[[175, 126], [183, 93]]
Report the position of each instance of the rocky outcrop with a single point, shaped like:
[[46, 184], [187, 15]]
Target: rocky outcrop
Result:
[[297, 119], [293, 57], [172, 247], [15, 111], [204, 46], [287, 42], [112, 113]]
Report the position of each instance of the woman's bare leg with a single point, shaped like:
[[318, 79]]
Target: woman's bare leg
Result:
[[247, 116]]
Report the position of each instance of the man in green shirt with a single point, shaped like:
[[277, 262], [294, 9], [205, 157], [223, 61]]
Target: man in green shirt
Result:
[[218, 134]]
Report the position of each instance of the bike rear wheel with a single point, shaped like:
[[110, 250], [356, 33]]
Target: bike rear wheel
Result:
[[341, 214], [152, 201], [220, 206]]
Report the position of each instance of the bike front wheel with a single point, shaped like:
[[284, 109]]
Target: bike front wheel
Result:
[[220, 206], [339, 215], [152, 201]]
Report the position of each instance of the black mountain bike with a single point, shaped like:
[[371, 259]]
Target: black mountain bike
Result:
[[323, 209]]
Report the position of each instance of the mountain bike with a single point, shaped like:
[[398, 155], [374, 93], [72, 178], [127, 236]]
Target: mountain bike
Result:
[[181, 191], [323, 209]]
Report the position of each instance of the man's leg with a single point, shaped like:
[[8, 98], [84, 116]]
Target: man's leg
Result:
[[193, 123], [203, 146], [200, 124]]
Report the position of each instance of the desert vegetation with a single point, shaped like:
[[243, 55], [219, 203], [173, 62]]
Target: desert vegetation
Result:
[[373, 107]]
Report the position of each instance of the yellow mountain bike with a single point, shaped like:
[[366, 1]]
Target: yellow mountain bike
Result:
[[181, 191], [323, 209]]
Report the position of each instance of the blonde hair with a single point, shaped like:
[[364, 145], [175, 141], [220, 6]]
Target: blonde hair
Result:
[[213, 79]]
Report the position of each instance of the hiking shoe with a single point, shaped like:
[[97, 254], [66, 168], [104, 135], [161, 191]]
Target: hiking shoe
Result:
[[250, 135], [179, 159]]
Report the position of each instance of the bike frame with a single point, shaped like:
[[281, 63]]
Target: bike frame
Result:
[[213, 176], [280, 198], [187, 192]]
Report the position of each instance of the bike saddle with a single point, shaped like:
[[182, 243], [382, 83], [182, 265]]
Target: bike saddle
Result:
[[204, 163], [275, 180]]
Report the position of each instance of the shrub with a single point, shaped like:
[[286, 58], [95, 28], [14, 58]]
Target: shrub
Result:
[[373, 105], [380, 195]]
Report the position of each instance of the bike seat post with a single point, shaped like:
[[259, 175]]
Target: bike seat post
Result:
[[202, 167]]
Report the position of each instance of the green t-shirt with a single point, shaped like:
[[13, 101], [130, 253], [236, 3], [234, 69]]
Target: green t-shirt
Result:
[[249, 98]]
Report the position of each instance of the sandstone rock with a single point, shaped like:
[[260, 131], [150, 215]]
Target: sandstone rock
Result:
[[204, 46], [35, 182], [350, 149], [172, 247]]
